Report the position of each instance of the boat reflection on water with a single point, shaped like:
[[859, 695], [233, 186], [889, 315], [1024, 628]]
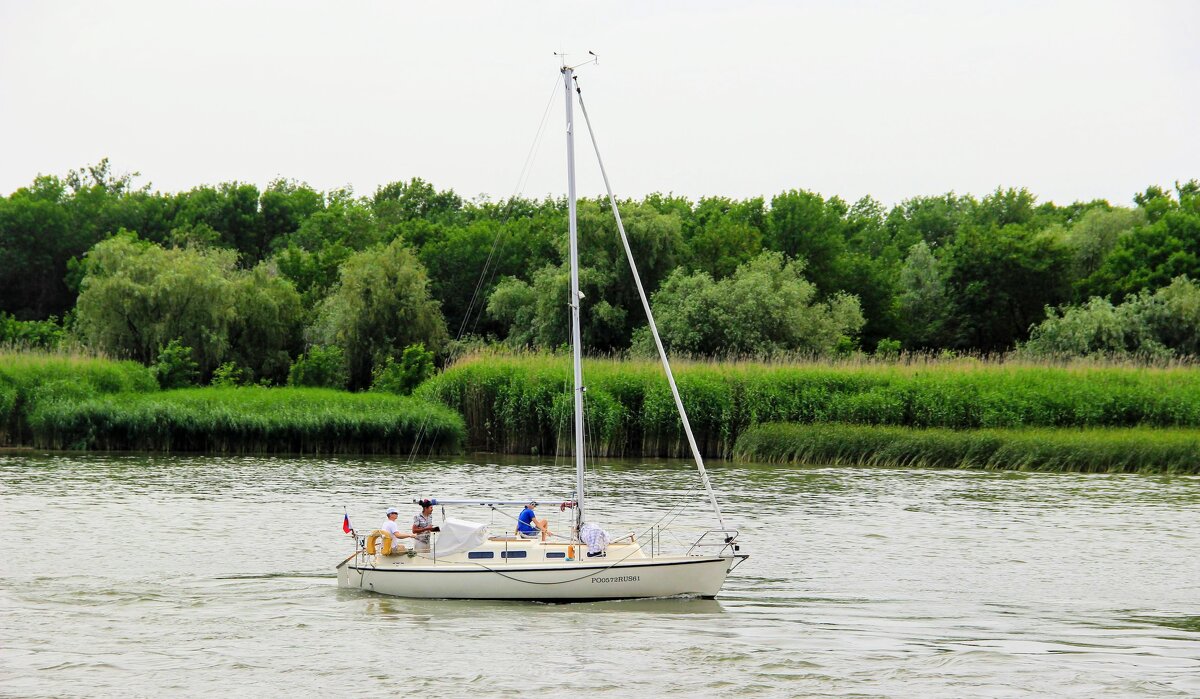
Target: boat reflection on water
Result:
[[418, 612]]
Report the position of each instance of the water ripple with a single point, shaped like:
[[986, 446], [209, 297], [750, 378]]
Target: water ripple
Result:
[[201, 575]]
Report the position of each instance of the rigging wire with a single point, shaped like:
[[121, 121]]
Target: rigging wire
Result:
[[522, 178]]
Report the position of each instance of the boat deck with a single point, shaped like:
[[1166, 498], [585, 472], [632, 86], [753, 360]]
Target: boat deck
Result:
[[506, 550]]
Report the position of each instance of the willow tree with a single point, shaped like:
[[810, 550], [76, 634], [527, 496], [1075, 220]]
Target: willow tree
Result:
[[380, 306], [265, 331], [136, 297]]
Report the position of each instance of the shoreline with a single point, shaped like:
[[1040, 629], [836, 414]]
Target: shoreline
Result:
[[953, 414], [1043, 450]]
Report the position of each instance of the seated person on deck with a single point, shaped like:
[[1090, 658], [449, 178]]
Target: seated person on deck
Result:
[[529, 526], [394, 529]]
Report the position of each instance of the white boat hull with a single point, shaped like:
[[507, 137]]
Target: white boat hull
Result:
[[697, 576]]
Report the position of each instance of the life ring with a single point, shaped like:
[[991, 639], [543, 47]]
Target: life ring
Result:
[[385, 545]]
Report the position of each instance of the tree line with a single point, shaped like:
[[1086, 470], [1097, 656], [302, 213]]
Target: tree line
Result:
[[251, 279]]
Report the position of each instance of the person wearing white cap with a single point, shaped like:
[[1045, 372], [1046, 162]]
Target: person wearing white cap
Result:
[[392, 528]]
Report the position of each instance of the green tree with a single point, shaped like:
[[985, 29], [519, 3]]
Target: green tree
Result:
[[266, 328], [284, 205], [137, 297], [722, 233], [1095, 234], [1005, 207], [1095, 328], [611, 298], [380, 305], [1150, 256], [36, 240], [41, 334], [765, 307], [1154, 202], [465, 263], [721, 245], [935, 220], [873, 281], [230, 209], [398, 202], [1173, 315], [514, 305], [311, 255], [320, 367], [921, 304], [536, 314], [803, 225], [45, 229], [228, 375], [1001, 280]]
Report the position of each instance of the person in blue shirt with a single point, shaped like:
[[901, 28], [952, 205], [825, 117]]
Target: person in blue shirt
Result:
[[529, 526]]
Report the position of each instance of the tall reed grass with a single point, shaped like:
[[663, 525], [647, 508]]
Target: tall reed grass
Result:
[[1087, 450], [248, 420], [522, 403], [28, 377]]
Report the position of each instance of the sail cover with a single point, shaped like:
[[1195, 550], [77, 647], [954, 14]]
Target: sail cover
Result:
[[459, 535]]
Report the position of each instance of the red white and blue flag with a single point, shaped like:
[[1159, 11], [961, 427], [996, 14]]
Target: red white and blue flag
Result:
[[346, 523]]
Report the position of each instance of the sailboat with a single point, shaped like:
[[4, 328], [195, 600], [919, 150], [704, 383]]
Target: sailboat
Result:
[[465, 561]]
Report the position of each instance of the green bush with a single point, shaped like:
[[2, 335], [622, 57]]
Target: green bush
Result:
[[228, 375], [414, 367], [30, 334], [887, 348], [320, 367], [1156, 325], [175, 367]]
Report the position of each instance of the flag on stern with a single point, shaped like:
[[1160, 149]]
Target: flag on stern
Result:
[[346, 523]]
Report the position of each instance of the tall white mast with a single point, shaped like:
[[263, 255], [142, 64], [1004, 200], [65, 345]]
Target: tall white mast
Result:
[[576, 352]]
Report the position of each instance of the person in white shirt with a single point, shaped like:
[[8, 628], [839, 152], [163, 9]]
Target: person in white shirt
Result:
[[394, 529]]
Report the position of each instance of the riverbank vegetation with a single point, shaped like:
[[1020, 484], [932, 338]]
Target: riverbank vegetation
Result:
[[239, 288], [256, 277], [31, 377], [910, 410], [522, 403], [64, 401], [248, 420], [1091, 450]]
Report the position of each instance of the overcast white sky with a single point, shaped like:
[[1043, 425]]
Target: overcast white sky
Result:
[[1075, 100]]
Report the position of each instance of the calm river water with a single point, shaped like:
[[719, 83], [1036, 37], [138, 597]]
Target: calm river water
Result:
[[154, 575]]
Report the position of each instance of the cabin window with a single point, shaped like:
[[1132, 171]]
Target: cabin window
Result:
[[556, 554], [481, 554], [513, 554]]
